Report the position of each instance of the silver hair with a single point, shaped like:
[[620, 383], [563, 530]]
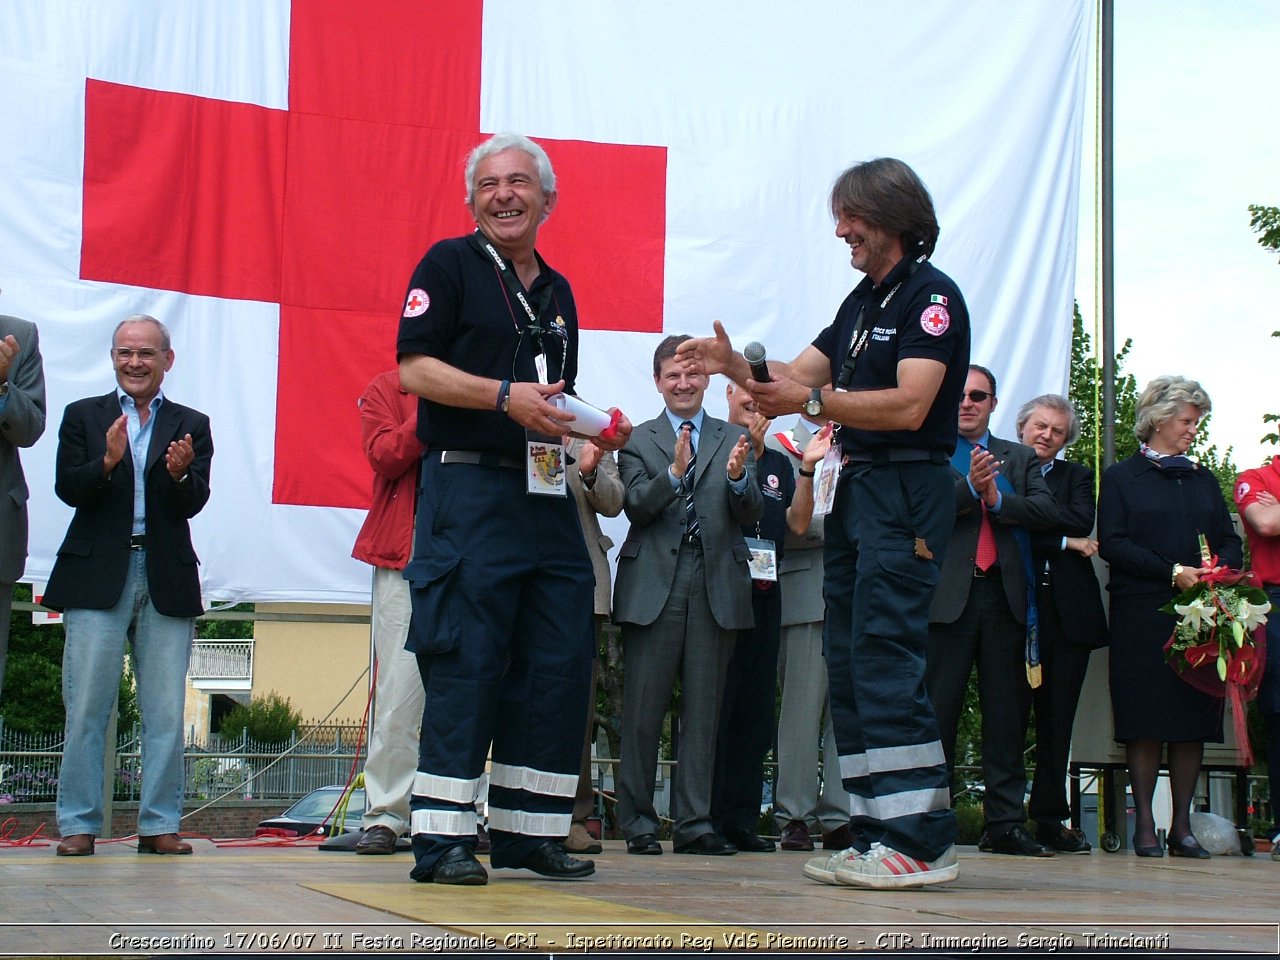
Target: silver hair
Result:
[[1162, 399], [1051, 401], [165, 343], [511, 141]]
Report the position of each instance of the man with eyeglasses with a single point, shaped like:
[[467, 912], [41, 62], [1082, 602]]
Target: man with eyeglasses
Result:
[[984, 610], [135, 466]]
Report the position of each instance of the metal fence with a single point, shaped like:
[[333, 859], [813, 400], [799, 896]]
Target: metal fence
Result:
[[236, 767]]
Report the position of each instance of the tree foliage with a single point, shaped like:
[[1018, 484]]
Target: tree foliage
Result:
[[266, 719], [32, 700], [1265, 221]]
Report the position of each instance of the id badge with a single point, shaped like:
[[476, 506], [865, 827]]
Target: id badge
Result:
[[544, 465], [824, 483], [764, 559]]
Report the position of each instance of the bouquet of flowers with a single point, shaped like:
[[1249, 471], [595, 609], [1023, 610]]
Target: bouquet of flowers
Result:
[[1217, 645]]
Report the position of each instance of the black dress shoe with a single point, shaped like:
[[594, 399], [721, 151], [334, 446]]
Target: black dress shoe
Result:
[[1147, 849], [1187, 846], [1018, 843], [458, 865], [645, 843], [748, 842], [708, 845], [1062, 839], [984, 842], [550, 860], [377, 840]]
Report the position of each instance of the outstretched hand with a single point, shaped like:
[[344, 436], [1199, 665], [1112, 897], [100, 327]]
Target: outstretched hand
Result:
[[707, 355]]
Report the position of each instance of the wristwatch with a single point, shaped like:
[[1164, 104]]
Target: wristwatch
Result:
[[813, 406], [1177, 569]]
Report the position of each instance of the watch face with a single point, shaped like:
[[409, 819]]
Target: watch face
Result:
[[813, 407]]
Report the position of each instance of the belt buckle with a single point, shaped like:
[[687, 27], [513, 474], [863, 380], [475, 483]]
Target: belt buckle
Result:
[[979, 573]]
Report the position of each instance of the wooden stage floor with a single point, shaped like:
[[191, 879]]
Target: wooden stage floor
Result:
[[254, 901]]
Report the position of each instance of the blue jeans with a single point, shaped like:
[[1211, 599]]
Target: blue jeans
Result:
[[92, 660]]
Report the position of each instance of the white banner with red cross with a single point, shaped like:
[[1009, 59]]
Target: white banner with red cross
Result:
[[263, 176]]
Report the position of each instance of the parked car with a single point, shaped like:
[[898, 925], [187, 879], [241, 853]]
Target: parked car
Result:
[[314, 814]]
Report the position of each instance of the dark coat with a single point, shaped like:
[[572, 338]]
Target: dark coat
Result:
[[1031, 505], [93, 560], [1148, 520], [1073, 584]]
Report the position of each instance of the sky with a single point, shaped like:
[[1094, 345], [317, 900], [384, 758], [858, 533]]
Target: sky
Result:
[[1196, 141]]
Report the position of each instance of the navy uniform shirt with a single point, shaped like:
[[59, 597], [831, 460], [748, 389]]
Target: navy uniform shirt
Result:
[[910, 314], [459, 310]]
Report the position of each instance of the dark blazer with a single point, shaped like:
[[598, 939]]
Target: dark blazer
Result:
[[1031, 505], [21, 424], [647, 560], [1073, 584], [93, 559], [1149, 520]]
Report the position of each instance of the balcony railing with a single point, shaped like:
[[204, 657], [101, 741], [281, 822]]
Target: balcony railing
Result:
[[221, 661]]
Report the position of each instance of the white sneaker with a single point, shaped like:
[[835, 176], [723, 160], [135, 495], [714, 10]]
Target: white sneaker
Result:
[[823, 869], [1275, 847], [885, 867]]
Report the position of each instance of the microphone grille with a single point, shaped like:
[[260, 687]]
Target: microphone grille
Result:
[[753, 352]]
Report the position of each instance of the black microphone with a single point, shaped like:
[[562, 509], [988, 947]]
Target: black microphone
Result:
[[754, 354]]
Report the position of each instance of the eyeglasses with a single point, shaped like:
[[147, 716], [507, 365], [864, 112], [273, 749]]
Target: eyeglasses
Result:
[[124, 354], [977, 396]]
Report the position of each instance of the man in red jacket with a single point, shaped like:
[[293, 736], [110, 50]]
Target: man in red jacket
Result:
[[388, 424]]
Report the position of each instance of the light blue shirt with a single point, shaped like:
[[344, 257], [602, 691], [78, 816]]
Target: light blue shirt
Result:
[[677, 421], [984, 441], [139, 442]]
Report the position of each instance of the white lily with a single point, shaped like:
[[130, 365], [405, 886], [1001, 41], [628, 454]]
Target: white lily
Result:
[[1196, 613], [1253, 615]]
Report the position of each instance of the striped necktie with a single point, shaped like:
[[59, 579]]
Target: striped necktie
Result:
[[690, 511]]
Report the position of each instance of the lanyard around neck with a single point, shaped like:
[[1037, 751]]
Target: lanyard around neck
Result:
[[516, 288], [860, 333]]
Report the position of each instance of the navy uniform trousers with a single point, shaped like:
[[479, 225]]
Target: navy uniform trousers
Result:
[[877, 591], [502, 627]]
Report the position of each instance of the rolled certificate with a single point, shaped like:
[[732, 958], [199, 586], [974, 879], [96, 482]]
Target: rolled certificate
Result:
[[588, 421]]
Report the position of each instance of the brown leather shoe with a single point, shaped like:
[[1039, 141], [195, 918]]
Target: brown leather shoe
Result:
[[163, 843], [76, 845], [378, 839], [795, 836]]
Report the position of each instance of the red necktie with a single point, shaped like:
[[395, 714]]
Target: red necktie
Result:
[[986, 556]]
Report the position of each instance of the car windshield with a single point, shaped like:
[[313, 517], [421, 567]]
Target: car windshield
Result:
[[318, 803]]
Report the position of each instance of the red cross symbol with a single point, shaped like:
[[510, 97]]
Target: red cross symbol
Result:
[[326, 207]]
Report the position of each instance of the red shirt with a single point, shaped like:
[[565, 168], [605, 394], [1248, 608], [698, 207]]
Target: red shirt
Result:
[[388, 421], [1263, 550]]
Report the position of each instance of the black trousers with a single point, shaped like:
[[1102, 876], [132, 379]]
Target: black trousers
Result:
[[1063, 666], [986, 634]]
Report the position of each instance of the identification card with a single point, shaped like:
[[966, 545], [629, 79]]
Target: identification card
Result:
[[764, 559], [544, 465], [827, 472]]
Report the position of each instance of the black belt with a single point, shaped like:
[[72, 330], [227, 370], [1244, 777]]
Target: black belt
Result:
[[980, 574], [880, 458], [138, 541], [480, 459], [692, 539]]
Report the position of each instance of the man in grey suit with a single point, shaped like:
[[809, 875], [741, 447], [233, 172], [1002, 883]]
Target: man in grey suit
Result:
[[683, 591], [804, 719], [21, 423], [984, 608]]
